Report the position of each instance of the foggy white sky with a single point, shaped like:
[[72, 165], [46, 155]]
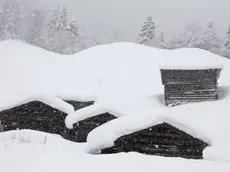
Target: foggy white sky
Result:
[[101, 18]]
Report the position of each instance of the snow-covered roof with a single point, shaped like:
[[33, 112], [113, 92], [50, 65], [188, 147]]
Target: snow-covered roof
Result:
[[14, 101], [118, 68], [194, 58], [117, 106], [207, 121]]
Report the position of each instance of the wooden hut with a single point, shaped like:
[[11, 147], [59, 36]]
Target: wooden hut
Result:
[[183, 86], [163, 140], [82, 128], [38, 115]]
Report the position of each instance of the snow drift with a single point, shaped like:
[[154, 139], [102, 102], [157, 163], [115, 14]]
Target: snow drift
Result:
[[36, 156], [116, 69]]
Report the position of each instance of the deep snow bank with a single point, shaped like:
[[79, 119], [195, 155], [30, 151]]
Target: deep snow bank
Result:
[[60, 155], [114, 69]]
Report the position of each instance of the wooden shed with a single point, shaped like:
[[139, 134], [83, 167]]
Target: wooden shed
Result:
[[82, 128], [183, 86], [163, 140], [34, 115]]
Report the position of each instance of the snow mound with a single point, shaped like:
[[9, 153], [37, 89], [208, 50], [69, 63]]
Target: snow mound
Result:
[[118, 69], [207, 121], [25, 136], [30, 138], [52, 101]]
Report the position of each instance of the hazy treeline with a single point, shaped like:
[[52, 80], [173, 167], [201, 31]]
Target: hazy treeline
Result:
[[56, 31]]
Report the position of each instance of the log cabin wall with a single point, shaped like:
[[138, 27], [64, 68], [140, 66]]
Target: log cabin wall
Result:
[[162, 140], [35, 116], [84, 127], [183, 86]]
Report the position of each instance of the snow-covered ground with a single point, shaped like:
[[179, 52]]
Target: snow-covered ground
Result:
[[124, 79], [59, 155]]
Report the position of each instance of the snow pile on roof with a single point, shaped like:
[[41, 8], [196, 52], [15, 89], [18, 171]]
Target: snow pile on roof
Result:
[[120, 69], [117, 106], [14, 101], [208, 121], [25, 68]]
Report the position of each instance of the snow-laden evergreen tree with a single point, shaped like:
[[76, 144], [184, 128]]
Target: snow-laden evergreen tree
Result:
[[35, 27], [225, 51], [188, 40], [12, 19], [62, 23], [191, 37], [80, 40], [72, 28], [61, 35], [147, 31], [211, 41], [51, 27], [67, 38], [60, 41], [72, 39], [227, 38], [163, 44]]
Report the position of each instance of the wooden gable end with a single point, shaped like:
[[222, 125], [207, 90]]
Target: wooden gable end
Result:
[[162, 140], [35, 116], [184, 86]]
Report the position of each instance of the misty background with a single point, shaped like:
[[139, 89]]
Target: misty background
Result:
[[104, 18], [69, 26]]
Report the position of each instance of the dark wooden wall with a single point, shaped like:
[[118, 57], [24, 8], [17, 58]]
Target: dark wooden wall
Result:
[[79, 105], [184, 93], [183, 86], [162, 140], [35, 116], [84, 127], [41, 117]]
